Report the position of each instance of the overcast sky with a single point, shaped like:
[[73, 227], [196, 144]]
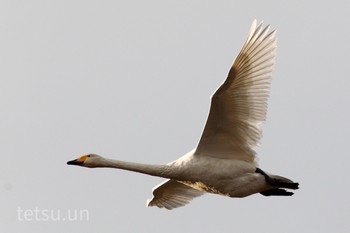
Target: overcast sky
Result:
[[131, 80]]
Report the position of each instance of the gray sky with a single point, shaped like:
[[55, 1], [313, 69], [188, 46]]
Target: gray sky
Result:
[[131, 80]]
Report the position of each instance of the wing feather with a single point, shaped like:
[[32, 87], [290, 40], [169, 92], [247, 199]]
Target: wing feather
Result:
[[239, 105], [172, 194]]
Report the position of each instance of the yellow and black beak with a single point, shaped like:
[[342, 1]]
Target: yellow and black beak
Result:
[[75, 162], [78, 161]]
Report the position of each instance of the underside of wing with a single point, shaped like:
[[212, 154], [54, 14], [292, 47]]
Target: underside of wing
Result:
[[239, 105], [172, 194]]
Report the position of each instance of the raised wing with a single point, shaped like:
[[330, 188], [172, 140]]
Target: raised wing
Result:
[[239, 105], [172, 194]]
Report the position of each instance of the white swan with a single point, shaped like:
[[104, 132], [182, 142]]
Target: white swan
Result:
[[224, 160]]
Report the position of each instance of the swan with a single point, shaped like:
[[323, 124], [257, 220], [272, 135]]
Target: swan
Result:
[[224, 161]]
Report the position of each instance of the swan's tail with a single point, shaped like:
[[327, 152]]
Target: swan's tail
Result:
[[282, 182], [279, 183]]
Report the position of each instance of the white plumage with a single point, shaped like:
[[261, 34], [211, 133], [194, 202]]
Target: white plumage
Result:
[[224, 160]]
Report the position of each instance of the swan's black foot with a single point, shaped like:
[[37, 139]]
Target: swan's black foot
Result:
[[276, 192], [278, 182]]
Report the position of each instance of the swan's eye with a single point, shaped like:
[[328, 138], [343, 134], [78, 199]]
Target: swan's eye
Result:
[[88, 155]]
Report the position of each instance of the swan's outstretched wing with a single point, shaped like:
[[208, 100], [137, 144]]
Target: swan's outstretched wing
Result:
[[172, 194], [240, 104]]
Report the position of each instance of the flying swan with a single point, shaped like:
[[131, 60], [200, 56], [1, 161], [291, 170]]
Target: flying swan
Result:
[[224, 161]]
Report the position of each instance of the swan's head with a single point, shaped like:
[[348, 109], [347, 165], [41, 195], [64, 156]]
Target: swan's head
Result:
[[89, 160]]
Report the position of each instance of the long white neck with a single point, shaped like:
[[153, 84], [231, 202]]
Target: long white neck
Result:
[[153, 170]]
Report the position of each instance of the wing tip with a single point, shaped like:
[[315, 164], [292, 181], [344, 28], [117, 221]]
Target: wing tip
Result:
[[149, 202]]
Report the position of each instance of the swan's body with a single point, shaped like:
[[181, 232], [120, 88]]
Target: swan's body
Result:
[[224, 160]]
